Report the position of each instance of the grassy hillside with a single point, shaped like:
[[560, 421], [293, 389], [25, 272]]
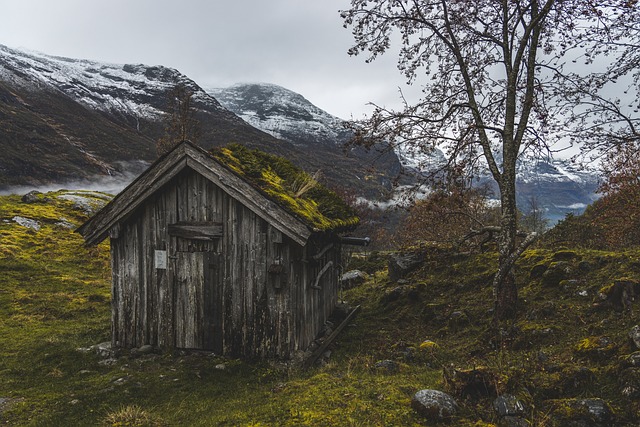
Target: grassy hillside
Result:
[[566, 344]]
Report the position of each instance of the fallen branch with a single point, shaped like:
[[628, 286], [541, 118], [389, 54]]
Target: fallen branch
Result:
[[321, 349], [490, 231]]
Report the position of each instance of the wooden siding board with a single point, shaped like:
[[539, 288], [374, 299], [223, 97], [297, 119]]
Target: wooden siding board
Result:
[[189, 299], [129, 295], [116, 289], [148, 276], [141, 286], [167, 287], [260, 284]]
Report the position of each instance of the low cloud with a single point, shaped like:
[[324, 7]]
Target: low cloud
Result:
[[111, 184]]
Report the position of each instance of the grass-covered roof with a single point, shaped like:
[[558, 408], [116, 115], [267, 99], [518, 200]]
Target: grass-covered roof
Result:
[[292, 188]]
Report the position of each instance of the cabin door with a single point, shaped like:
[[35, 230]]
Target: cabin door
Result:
[[196, 275]]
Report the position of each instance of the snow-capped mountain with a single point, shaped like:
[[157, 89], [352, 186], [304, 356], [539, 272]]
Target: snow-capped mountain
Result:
[[557, 186], [66, 119], [134, 90], [291, 117], [282, 113]]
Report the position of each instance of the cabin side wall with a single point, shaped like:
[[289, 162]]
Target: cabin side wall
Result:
[[257, 283], [317, 292]]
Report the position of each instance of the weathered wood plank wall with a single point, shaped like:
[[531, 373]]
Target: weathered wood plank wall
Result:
[[247, 293]]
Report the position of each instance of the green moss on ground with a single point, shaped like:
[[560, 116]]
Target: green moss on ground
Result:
[[565, 344], [55, 299]]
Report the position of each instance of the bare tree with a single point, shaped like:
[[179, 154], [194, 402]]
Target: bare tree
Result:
[[534, 219], [181, 123], [492, 70], [603, 110]]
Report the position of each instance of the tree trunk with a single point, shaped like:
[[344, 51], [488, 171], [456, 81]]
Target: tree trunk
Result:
[[504, 283]]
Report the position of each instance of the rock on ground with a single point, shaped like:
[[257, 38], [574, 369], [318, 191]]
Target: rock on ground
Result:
[[434, 405], [352, 278], [634, 334], [402, 264], [27, 222], [508, 405]]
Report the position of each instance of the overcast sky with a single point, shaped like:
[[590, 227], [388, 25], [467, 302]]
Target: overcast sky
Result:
[[298, 44]]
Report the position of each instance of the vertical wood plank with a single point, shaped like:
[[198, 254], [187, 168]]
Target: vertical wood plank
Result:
[[167, 292], [116, 291]]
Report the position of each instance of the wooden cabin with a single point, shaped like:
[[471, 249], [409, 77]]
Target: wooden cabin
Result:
[[224, 251]]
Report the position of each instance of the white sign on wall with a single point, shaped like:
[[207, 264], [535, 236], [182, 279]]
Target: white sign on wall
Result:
[[160, 260]]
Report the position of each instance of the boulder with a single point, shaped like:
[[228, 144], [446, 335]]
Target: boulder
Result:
[[352, 278], [508, 405], [585, 266], [31, 197], [597, 410], [88, 202], [634, 334], [103, 349], [143, 350], [392, 295], [64, 223], [401, 264], [629, 382], [596, 348], [593, 412], [27, 222], [475, 383], [633, 359], [557, 272], [428, 345], [434, 405], [620, 294], [537, 271]]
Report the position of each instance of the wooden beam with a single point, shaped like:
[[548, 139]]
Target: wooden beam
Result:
[[196, 230], [322, 272], [318, 351], [323, 251]]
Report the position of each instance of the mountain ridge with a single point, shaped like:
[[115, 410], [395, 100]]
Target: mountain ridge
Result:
[[68, 119], [555, 185], [281, 112], [78, 118]]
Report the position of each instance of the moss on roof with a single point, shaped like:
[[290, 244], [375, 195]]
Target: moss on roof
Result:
[[291, 187]]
